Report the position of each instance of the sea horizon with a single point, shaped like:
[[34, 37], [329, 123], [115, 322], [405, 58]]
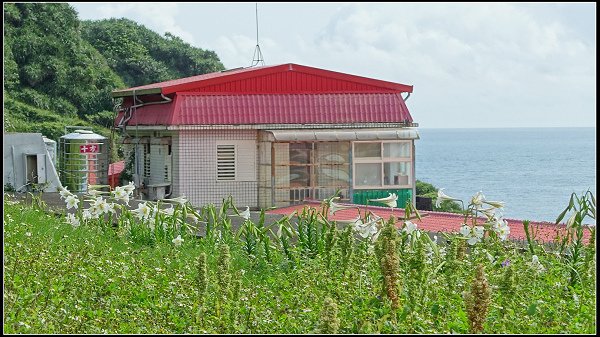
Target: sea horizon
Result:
[[533, 170]]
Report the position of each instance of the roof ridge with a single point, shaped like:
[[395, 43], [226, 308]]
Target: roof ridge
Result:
[[244, 74]]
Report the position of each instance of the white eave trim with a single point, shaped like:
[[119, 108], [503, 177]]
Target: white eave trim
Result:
[[339, 135], [387, 126]]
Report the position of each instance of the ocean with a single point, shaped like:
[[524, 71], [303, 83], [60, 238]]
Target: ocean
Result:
[[533, 170]]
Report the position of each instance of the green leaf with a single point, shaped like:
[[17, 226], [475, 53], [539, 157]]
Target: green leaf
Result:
[[532, 309], [561, 216], [435, 309], [405, 311], [571, 200]]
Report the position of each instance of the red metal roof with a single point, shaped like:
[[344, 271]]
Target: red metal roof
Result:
[[206, 109], [439, 221], [283, 78]]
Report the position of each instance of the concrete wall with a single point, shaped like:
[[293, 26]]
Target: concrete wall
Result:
[[17, 146]]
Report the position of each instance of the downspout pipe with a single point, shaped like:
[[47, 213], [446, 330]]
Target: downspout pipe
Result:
[[407, 96]]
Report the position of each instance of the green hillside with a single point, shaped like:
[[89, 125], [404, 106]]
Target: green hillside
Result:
[[60, 71]]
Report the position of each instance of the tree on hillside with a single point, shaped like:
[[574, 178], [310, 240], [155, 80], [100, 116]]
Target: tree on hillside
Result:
[[63, 72], [141, 56]]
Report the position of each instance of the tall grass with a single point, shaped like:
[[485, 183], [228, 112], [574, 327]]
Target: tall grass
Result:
[[132, 276]]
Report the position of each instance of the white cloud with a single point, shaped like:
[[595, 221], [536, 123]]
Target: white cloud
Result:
[[487, 63]]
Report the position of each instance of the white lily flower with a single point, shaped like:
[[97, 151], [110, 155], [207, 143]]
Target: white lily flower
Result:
[[121, 194], [143, 210], [94, 192], [536, 265], [64, 192], [129, 188], [503, 232], [410, 227], [178, 240], [478, 199], [95, 212], [474, 235], [101, 206], [125, 199], [465, 230], [366, 229], [478, 231], [87, 214], [489, 213], [72, 220], [391, 200], [246, 214], [334, 207], [441, 196], [179, 200], [499, 223], [473, 240], [72, 201]]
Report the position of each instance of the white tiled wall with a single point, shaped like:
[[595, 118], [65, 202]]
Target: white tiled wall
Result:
[[195, 153], [175, 165]]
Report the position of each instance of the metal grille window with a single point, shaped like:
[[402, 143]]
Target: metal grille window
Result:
[[310, 170], [146, 160], [226, 162]]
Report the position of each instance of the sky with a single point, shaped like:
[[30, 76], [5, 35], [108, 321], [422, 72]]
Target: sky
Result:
[[471, 65]]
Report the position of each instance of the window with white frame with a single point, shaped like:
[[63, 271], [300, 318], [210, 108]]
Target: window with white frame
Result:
[[383, 164]]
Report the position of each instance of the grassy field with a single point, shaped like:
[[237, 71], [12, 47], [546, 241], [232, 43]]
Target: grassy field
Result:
[[139, 277]]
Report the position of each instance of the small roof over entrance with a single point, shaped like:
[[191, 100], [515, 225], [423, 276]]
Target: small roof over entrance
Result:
[[339, 135]]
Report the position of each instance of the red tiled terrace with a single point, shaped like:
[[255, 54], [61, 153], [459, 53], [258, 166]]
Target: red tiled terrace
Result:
[[435, 221]]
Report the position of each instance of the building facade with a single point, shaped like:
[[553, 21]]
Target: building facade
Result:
[[270, 136]]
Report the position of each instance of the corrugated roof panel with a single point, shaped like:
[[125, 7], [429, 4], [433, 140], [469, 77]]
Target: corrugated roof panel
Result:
[[202, 109], [154, 114]]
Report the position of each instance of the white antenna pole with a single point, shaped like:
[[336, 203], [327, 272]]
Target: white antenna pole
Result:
[[258, 57]]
